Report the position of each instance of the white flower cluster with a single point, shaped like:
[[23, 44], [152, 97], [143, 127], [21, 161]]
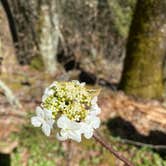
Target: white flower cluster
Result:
[[72, 107]]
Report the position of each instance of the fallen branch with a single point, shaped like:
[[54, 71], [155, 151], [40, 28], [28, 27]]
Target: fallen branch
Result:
[[140, 144], [11, 98]]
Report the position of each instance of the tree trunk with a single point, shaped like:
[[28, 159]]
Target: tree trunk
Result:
[[22, 23], [49, 34], [142, 75], [35, 31]]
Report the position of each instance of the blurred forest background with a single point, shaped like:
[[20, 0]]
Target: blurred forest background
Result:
[[117, 45]]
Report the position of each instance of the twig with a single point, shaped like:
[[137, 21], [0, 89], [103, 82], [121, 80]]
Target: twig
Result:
[[109, 147], [140, 144]]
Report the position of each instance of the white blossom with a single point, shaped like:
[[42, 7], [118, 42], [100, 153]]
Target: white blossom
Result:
[[69, 129], [91, 123], [95, 109], [48, 92], [74, 108], [78, 83], [44, 119]]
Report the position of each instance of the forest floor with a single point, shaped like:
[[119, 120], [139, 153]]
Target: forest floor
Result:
[[127, 124]]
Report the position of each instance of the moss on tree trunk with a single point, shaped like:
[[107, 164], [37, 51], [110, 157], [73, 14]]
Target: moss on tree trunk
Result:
[[142, 75]]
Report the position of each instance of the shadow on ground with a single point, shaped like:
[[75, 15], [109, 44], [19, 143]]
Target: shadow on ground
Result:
[[125, 130]]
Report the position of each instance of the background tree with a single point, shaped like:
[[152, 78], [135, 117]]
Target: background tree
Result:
[[35, 31], [142, 75], [36, 26]]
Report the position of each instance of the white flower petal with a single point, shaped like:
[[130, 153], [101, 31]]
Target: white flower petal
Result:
[[76, 82], [50, 123], [36, 121], [39, 112], [95, 109], [48, 92], [63, 122], [46, 129], [70, 129], [83, 84], [95, 123], [44, 98], [94, 100], [45, 95], [88, 133], [75, 135], [87, 130], [63, 135], [48, 114], [60, 138], [74, 125], [53, 84]]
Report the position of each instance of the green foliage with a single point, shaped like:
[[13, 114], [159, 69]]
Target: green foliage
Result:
[[146, 157], [123, 12], [45, 151], [42, 151], [140, 156], [37, 63]]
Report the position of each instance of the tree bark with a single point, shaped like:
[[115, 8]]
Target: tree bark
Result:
[[49, 34], [142, 75], [12, 25], [23, 22], [34, 26]]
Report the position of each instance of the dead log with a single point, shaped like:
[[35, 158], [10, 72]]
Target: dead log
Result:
[[146, 116]]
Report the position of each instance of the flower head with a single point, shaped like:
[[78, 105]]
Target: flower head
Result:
[[74, 108]]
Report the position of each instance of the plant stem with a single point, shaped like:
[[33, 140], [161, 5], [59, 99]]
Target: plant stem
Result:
[[69, 153], [110, 148]]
